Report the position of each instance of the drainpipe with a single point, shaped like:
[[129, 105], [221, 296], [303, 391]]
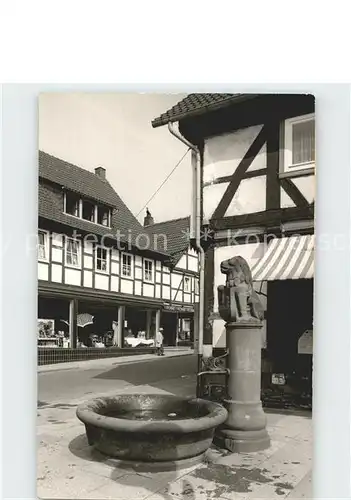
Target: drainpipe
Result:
[[195, 229]]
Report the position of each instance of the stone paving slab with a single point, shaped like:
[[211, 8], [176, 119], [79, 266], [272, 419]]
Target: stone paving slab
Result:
[[69, 468]]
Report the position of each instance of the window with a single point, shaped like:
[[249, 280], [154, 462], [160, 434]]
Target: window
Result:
[[88, 211], [299, 143], [72, 252], [43, 250], [72, 202], [102, 259], [148, 270], [127, 265], [103, 216], [186, 284]]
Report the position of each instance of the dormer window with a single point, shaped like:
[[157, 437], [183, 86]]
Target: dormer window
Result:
[[86, 209], [103, 215], [72, 204]]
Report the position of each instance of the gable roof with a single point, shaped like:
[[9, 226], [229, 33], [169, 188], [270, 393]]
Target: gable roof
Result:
[[195, 104], [55, 171], [176, 236]]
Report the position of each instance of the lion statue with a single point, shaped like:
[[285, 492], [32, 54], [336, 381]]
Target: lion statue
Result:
[[237, 299]]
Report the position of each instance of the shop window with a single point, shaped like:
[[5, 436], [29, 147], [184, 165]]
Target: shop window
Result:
[[127, 269], [148, 270], [186, 284], [102, 259], [88, 212], [73, 252], [299, 143], [43, 245], [72, 204], [103, 215]]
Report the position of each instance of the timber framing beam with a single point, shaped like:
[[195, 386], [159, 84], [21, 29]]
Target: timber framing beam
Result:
[[267, 218], [294, 193], [239, 173]]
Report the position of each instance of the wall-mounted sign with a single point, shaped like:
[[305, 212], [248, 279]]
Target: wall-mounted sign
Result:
[[278, 378], [305, 345], [178, 308]]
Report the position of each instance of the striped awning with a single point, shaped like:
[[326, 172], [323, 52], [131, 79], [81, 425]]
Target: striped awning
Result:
[[286, 259]]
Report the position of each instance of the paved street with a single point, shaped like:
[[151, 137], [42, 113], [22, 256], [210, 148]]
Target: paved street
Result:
[[60, 383], [69, 468]]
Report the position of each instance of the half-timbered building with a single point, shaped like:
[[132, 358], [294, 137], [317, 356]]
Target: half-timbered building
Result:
[[257, 200], [99, 267]]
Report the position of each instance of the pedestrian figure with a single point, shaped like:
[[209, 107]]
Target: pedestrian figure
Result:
[[159, 342]]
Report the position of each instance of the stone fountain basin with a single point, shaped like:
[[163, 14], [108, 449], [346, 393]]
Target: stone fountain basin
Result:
[[154, 428]]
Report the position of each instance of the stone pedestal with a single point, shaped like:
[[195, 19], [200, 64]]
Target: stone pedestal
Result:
[[245, 428]]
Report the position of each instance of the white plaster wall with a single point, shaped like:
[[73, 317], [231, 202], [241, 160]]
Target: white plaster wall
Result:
[[72, 276], [88, 279], [176, 280], [166, 279], [43, 271], [158, 277], [285, 200], [56, 273], [88, 247], [137, 288], [166, 292], [101, 281], [114, 284], [57, 239], [138, 273], [222, 156], [148, 290], [56, 254], [114, 267], [115, 254], [249, 198], [187, 297], [158, 265], [158, 291], [193, 264], [181, 264], [138, 260], [88, 261], [307, 186], [127, 286]]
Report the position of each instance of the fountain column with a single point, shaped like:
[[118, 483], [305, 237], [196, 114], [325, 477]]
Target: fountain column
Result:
[[245, 428]]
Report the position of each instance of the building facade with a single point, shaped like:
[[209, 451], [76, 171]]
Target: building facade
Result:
[[103, 278], [258, 179]]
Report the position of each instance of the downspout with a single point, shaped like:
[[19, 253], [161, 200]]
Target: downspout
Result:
[[195, 229]]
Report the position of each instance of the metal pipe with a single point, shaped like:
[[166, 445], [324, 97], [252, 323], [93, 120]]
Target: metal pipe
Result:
[[221, 372], [195, 231]]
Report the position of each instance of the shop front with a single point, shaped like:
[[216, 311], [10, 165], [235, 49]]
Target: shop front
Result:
[[287, 268], [177, 322], [77, 326]]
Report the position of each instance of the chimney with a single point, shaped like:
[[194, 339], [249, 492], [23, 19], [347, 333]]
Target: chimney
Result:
[[101, 173], [148, 219]]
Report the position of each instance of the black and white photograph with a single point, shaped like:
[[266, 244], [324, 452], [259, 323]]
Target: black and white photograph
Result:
[[176, 249]]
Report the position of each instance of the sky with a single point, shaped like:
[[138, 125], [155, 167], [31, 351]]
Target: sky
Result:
[[113, 130]]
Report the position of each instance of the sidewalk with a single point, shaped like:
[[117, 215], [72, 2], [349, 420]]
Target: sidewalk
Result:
[[105, 363], [69, 468]]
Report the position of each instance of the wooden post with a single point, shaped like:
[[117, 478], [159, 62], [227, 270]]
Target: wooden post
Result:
[[73, 328], [121, 312], [158, 320], [148, 323]]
